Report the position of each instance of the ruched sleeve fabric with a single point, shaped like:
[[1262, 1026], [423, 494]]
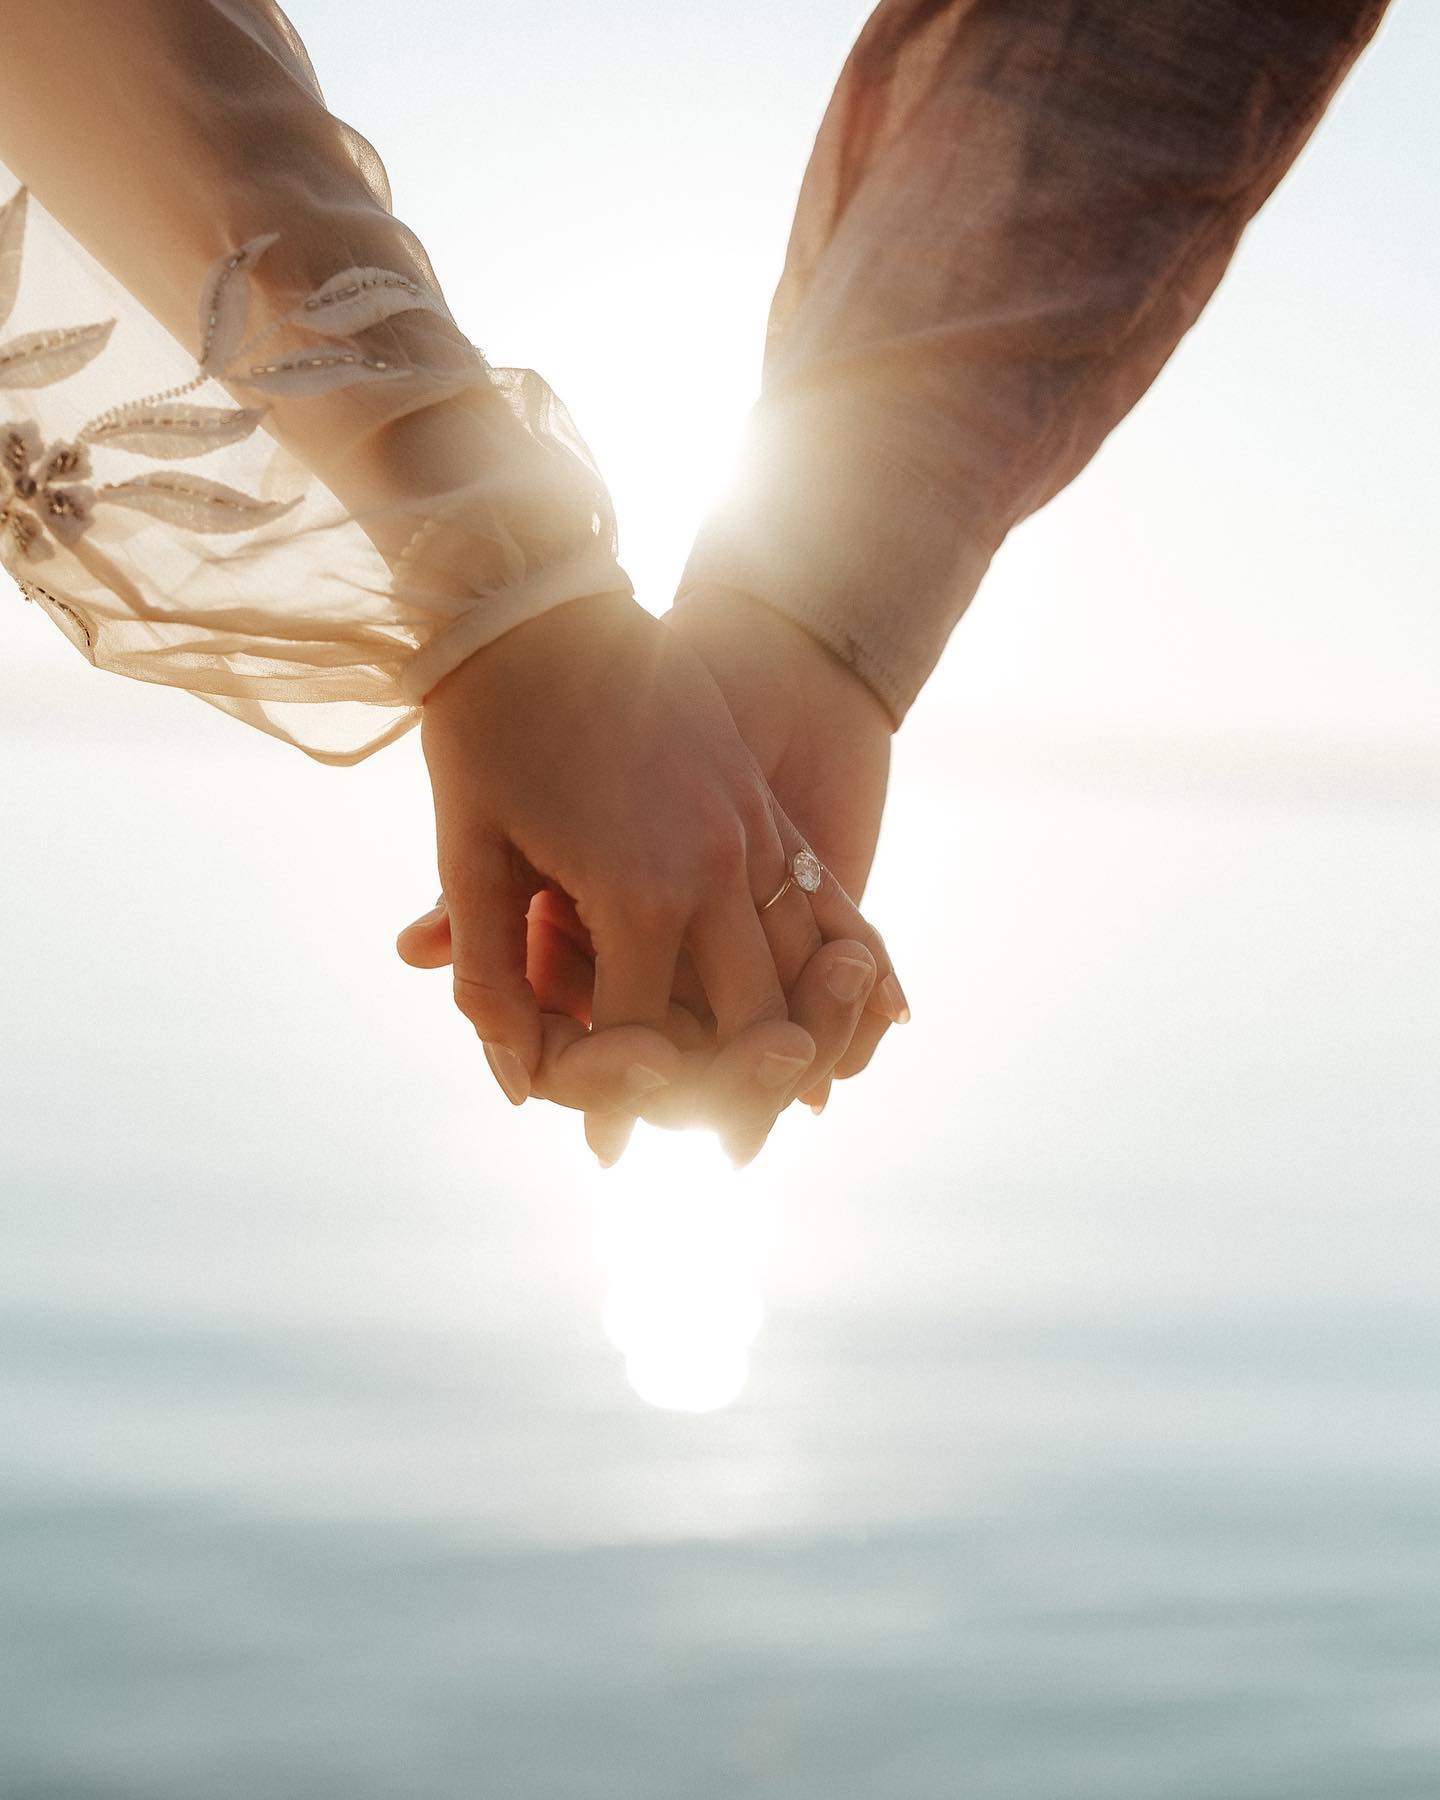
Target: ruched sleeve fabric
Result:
[[245, 449], [1014, 211]]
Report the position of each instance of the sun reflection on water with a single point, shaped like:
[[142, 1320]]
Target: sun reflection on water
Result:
[[682, 1240]]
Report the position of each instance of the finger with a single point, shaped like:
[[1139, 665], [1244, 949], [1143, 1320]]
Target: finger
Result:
[[829, 1001], [750, 1081], [689, 991], [817, 1098], [557, 910], [686, 1031], [425, 942], [626, 1068], [790, 929], [808, 915], [838, 917], [761, 1061], [868, 1033], [560, 974], [608, 1135], [487, 899], [634, 973], [733, 959]]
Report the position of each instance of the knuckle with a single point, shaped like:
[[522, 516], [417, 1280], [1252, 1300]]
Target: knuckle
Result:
[[757, 816], [721, 858], [860, 928], [479, 1001], [654, 909], [875, 944], [764, 1009]]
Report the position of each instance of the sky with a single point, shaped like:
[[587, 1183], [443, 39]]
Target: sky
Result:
[[1161, 861]]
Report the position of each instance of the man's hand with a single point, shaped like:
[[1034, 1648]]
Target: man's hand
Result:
[[676, 1078], [822, 741]]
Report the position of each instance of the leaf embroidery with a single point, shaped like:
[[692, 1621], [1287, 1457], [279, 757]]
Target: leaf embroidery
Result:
[[359, 298], [297, 376], [41, 358], [225, 302], [44, 496], [192, 501], [167, 432], [12, 239]]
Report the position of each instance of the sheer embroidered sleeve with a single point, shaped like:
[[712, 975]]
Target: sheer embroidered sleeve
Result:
[[245, 449]]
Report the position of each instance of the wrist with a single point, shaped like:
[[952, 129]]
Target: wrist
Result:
[[729, 624], [593, 577]]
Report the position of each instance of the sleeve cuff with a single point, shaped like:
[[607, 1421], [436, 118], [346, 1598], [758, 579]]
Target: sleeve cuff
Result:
[[595, 572], [829, 526]]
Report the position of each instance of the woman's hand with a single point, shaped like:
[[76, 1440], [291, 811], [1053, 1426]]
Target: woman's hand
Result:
[[588, 751]]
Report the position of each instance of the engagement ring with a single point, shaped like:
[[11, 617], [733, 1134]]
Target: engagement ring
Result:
[[804, 872]]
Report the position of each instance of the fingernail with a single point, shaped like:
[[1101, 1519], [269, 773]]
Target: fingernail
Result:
[[893, 1002], [510, 1072], [847, 978], [641, 1079], [776, 1071], [818, 1106], [745, 1150], [607, 1135]]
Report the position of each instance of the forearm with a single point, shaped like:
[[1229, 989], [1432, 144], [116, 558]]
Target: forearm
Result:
[[434, 501], [1013, 214]]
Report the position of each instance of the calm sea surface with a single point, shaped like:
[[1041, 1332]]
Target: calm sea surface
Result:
[[1091, 1444]]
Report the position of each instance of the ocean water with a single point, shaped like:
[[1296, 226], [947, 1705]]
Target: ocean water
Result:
[[924, 1555], [1091, 1440]]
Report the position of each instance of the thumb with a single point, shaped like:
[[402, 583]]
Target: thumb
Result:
[[487, 900], [425, 942]]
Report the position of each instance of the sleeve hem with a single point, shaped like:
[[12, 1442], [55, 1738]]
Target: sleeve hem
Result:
[[596, 572]]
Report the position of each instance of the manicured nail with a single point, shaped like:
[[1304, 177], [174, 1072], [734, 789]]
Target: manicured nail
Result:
[[607, 1134], [847, 978], [510, 1072], [641, 1079], [776, 1071], [893, 1002]]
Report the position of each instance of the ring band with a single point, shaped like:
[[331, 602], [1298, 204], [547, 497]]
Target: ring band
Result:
[[803, 871]]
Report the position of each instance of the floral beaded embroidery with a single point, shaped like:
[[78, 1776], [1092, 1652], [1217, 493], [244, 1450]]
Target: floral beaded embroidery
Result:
[[47, 499]]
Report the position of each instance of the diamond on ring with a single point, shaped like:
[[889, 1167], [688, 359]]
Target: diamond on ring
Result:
[[803, 871], [805, 867]]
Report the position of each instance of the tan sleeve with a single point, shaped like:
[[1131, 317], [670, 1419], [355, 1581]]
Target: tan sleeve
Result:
[[1012, 215], [245, 449]]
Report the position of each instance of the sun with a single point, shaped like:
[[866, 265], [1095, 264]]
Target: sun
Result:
[[664, 423], [682, 1240]]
